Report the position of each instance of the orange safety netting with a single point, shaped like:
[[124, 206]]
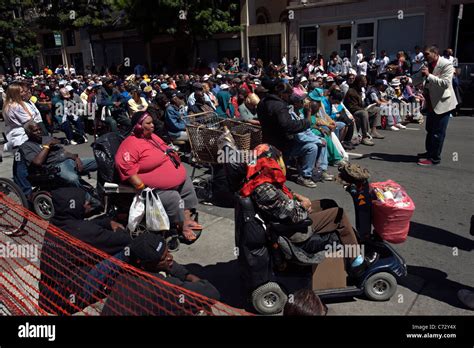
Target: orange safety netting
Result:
[[44, 270]]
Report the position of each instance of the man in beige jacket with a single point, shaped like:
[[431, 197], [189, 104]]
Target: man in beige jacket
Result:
[[437, 77]]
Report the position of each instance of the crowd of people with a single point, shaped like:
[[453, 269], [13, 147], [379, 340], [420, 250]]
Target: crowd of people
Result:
[[311, 112]]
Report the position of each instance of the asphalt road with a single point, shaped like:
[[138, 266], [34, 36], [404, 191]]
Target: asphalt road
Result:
[[438, 250]]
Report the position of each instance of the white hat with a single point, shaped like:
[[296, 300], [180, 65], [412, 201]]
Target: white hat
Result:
[[224, 86], [219, 76], [257, 82], [395, 82], [205, 77], [69, 88], [304, 79]]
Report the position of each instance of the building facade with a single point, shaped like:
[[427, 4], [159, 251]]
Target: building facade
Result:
[[309, 27]]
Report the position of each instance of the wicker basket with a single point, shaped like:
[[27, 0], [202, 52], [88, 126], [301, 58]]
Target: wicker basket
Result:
[[237, 127]]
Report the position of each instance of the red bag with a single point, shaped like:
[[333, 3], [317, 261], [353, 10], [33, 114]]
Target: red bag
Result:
[[391, 219]]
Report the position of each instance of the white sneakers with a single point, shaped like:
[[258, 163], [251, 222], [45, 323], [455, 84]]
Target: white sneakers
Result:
[[401, 126], [395, 129]]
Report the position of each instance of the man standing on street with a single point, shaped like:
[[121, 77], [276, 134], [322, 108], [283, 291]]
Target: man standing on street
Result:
[[440, 101]]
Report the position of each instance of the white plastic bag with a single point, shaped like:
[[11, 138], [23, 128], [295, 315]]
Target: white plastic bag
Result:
[[339, 147], [156, 217], [137, 212]]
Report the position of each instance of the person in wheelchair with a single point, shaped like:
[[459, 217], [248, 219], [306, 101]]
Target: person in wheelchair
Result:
[[145, 160], [46, 151], [265, 184]]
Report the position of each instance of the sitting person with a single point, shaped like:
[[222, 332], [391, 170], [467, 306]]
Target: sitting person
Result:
[[149, 253], [137, 102], [248, 109], [174, 118], [339, 113], [385, 107], [42, 150], [67, 269], [144, 160], [322, 126], [265, 184], [200, 104], [296, 110]]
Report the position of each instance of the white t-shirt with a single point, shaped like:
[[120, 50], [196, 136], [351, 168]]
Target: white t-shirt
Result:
[[382, 63], [283, 62], [362, 68], [418, 61]]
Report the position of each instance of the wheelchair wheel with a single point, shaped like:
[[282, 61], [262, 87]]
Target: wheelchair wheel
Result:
[[380, 286], [12, 224], [43, 206], [269, 299]]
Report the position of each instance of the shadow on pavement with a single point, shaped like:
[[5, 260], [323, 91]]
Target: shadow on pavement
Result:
[[225, 277], [392, 157], [437, 286], [439, 236]]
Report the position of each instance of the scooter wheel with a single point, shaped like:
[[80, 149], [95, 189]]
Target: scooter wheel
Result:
[[269, 299], [380, 286]]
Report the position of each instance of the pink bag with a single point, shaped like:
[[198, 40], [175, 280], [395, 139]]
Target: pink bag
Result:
[[392, 212]]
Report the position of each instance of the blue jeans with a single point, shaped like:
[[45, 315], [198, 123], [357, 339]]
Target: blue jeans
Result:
[[339, 126], [101, 275], [308, 152], [69, 173], [323, 158], [20, 173], [436, 126]]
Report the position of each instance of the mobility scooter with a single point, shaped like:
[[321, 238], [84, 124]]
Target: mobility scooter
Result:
[[262, 251]]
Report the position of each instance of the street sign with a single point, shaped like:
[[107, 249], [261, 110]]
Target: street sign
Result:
[[461, 8], [57, 39]]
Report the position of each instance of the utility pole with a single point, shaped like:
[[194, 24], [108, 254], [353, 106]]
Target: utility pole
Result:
[[461, 8]]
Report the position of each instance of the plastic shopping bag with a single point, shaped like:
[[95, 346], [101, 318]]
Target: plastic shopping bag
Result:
[[391, 211], [156, 216], [339, 147], [136, 213]]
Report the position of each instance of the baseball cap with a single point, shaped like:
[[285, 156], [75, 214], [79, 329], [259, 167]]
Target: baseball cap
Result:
[[148, 247], [147, 89], [164, 86], [69, 88], [224, 86]]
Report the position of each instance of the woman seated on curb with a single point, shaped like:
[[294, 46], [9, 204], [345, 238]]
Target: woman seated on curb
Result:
[[265, 184], [144, 160]]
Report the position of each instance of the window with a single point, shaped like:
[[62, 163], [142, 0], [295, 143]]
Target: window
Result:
[[70, 38], [308, 42], [344, 33], [48, 40], [365, 30]]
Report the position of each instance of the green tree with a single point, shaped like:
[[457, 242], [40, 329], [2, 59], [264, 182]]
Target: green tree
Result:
[[17, 36], [184, 19], [91, 15]]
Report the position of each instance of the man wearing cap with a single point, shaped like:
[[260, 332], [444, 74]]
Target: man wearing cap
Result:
[[115, 112], [441, 100], [279, 129], [175, 117], [150, 253]]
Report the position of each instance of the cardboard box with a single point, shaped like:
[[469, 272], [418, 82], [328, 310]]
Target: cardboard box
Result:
[[329, 274]]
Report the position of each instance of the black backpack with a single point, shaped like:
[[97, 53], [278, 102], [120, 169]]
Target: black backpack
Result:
[[105, 148]]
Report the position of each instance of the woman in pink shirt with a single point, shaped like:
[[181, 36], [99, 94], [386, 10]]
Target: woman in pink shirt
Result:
[[144, 160]]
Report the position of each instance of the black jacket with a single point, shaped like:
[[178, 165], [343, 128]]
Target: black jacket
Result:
[[137, 295], [65, 266], [277, 125]]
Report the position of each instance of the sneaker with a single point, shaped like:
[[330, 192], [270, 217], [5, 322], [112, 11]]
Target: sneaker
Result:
[[466, 297], [308, 182], [377, 135], [426, 162], [401, 126], [395, 129], [72, 142], [85, 138], [367, 141], [325, 176]]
